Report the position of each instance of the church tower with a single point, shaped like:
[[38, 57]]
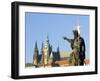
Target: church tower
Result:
[[46, 51], [51, 56], [42, 57], [58, 53], [35, 55]]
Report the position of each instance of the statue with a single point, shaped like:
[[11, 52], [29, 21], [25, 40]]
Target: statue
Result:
[[77, 55]]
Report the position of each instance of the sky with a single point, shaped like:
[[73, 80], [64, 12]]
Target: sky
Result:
[[39, 25]]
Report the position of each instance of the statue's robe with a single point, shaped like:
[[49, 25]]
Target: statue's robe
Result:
[[78, 51]]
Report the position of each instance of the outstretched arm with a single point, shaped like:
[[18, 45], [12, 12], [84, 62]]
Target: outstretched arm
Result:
[[65, 38], [71, 41]]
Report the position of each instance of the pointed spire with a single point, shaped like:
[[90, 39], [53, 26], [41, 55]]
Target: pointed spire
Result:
[[51, 47], [35, 55], [36, 45], [58, 53], [58, 49], [42, 58], [47, 39], [36, 48], [46, 43], [42, 48], [51, 55]]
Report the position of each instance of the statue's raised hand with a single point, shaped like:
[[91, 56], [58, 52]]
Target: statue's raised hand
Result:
[[64, 38]]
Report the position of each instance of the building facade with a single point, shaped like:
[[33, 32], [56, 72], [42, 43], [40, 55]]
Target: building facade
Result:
[[47, 57]]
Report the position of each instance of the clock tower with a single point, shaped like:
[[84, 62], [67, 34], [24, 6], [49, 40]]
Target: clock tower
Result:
[[46, 51]]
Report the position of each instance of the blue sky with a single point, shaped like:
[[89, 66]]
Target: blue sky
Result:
[[39, 25]]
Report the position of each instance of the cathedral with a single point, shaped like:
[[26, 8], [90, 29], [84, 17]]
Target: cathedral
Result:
[[47, 57]]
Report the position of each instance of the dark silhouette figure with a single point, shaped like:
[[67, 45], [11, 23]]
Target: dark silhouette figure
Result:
[[77, 57]]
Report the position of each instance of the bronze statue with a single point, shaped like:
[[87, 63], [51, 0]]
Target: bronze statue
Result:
[[77, 56]]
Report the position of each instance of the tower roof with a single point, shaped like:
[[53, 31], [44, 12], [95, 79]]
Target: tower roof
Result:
[[58, 49], [46, 43], [35, 55], [47, 38], [36, 45]]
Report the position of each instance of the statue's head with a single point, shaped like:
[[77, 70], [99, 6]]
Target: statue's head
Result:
[[75, 33]]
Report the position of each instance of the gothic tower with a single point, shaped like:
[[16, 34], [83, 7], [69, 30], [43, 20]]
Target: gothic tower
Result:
[[46, 51], [51, 56], [35, 55], [42, 57], [58, 53]]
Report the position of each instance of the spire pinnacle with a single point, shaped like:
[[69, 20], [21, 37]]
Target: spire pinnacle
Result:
[[58, 49], [47, 38], [36, 45]]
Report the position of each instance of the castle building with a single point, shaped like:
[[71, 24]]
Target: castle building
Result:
[[47, 57], [44, 57]]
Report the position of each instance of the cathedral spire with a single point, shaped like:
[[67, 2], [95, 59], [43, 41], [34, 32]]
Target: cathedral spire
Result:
[[36, 45], [42, 48], [35, 55], [58, 53], [47, 39], [58, 49], [46, 43], [42, 57]]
